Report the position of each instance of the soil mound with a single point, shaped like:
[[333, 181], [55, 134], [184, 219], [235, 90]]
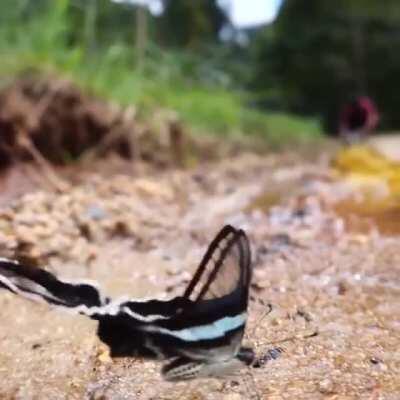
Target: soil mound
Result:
[[59, 120]]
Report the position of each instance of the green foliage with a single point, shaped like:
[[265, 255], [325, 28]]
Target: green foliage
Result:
[[321, 53], [92, 42]]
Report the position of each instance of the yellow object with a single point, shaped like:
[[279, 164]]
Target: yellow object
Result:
[[377, 179], [365, 165]]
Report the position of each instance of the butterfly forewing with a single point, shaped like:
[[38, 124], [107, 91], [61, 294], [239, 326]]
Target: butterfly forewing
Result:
[[224, 269], [225, 276]]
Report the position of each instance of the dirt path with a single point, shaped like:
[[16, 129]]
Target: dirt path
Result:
[[143, 235]]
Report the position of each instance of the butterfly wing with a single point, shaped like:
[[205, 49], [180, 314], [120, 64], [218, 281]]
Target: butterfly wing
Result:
[[215, 324], [212, 327], [225, 269], [221, 281], [182, 368], [38, 284]]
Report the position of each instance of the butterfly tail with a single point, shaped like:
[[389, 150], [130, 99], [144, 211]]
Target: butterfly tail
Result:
[[37, 284]]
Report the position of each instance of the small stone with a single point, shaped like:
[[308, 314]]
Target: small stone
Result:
[[153, 189], [95, 212], [358, 239], [375, 360], [342, 288], [326, 386], [104, 356]]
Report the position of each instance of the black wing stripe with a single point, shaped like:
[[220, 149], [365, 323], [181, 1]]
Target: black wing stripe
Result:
[[225, 231], [245, 259]]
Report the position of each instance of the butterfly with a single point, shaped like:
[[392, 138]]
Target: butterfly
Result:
[[199, 333]]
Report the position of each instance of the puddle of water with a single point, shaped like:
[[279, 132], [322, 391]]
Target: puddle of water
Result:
[[360, 217], [265, 201], [376, 178]]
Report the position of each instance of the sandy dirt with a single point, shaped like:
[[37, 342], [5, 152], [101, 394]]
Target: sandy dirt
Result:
[[335, 292]]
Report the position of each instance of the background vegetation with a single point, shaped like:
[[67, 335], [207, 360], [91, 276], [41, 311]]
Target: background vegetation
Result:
[[279, 81]]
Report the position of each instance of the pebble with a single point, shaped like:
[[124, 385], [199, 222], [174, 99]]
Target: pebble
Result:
[[104, 356], [326, 386]]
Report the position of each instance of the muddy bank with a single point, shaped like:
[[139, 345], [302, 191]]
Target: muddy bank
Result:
[[335, 292]]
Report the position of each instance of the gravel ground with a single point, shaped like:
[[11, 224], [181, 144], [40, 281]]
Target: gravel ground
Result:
[[335, 292]]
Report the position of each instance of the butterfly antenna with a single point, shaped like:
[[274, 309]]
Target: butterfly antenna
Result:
[[292, 338], [260, 320]]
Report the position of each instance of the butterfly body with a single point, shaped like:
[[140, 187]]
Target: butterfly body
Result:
[[200, 332]]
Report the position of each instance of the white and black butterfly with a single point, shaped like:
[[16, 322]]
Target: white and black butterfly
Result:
[[200, 332]]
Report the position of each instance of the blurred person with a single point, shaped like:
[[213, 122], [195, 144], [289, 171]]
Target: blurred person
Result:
[[358, 119]]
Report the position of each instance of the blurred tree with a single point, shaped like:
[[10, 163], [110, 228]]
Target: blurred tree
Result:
[[101, 22], [89, 27], [191, 24], [183, 24], [319, 53]]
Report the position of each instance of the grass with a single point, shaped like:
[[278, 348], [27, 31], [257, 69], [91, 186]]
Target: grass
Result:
[[165, 80]]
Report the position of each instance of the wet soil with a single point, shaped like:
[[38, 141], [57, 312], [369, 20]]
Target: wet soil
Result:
[[335, 291]]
